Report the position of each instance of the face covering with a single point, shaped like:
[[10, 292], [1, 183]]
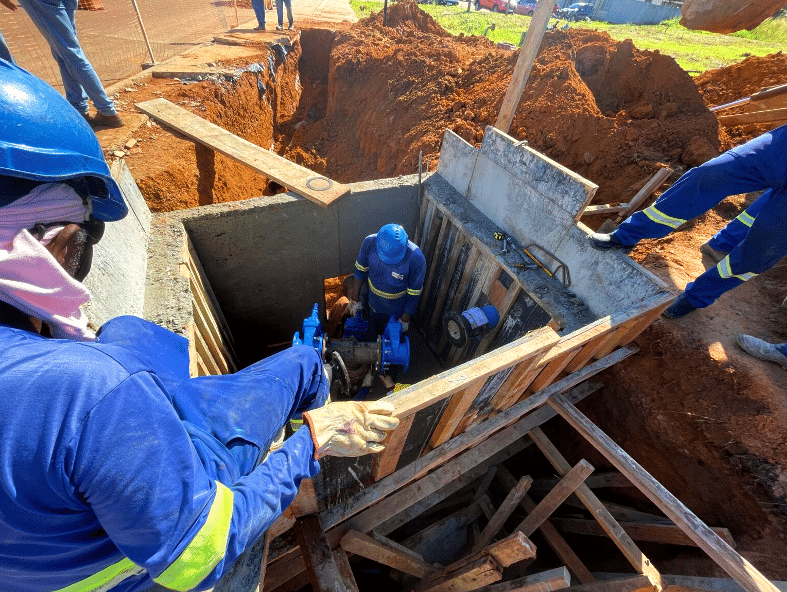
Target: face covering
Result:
[[31, 279]]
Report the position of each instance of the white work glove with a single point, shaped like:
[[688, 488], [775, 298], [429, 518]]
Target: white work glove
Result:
[[350, 428], [405, 326], [353, 308]]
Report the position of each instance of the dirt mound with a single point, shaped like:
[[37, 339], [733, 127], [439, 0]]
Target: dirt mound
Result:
[[724, 85], [598, 106]]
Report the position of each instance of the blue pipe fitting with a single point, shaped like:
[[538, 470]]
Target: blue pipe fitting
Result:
[[312, 331], [395, 346]]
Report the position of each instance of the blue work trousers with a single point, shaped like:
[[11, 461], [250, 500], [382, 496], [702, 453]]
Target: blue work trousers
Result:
[[5, 53], [55, 20], [280, 11], [259, 12], [729, 237], [758, 165]]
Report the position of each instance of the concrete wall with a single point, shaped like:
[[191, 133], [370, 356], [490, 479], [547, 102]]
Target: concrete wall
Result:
[[267, 258], [117, 276], [536, 200], [637, 12]]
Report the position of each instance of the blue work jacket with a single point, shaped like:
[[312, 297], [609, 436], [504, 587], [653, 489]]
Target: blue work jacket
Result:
[[117, 469]]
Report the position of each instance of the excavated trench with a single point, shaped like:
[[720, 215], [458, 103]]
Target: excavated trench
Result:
[[355, 116]]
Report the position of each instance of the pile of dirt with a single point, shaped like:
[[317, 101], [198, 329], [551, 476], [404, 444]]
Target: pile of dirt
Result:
[[738, 81], [601, 107]]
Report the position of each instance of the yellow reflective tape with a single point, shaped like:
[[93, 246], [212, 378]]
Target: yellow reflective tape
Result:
[[107, 578], [725, 271], [386, 295], [660, 217], [205, 550], [413, 292], [360, 267], [745, 219]]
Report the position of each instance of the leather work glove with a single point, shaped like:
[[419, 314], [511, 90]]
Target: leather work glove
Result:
[[405, 326], [353, 308], [350, 428]]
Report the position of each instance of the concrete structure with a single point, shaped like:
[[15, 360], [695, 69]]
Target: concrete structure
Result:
[[636, 12]]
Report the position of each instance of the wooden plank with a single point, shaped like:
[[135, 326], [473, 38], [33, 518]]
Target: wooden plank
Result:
[[622, 540], [527, 55], [428, 392], [769, 116], [502, 514], [305, 501], [483, 487], [455, 521], [450, 268], [345, 570], [514, 387], [292, 176], [263, 562], [394, 443], [453, 414], [317, 555], [644, 322], [469, 270], [626, 584], [204, 354], [432, 261], [554, 579], [586, 353], [294, 584], [666, 534], [554, 498], [385, 540], [475, 435], [554, 540], [727, 558], [365, 546], [468, 577], [512, 549], [423, 209], [597, 481], [552, 370], [604, 209]]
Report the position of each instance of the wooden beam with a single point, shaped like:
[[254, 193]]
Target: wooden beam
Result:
[[317, 555], [503, 512], [527, 55], [604, 209], [345, 571], [727, 558], [454, 522], [314, 187], [512, 549], [485, 483], [553, 538], [365, 546], [554, 498], [597, 481], [263, 562], [457, 407], [554, 579], [470, 576], [666, 534], [305, 501], [769, 116], [626, 584], [619, 536], [394, 444]]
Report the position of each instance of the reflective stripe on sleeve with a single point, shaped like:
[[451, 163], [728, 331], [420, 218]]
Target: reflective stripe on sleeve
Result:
[[206, 549], [412, 292], [661, 218], [725, 271], [360, 267], [386, 295], [745, 218], [107, 578]]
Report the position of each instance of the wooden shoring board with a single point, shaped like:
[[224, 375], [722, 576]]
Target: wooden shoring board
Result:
[[459, 295], [597, 481], [466, 578], [551, 371], [666, 534], [503, 309], [448, 273], [317, 556], [345, 570], [556, 542], [769, 116], [453, 414], [567, 485], [422, 210], [386, 554], [208, 361], [305, 501], [514, 386], [292, 176], [394, 444], [743, 572], [456, 519], [622, 541], [625, 584], [489, 270], [434, 257]]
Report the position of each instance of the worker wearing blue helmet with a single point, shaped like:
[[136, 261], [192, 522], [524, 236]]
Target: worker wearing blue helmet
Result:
[[117, 469]]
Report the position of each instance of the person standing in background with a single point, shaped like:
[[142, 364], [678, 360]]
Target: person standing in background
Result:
[[280, 12]]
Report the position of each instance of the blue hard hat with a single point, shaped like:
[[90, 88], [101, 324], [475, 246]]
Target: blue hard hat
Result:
[[44, 139], [391, 244]]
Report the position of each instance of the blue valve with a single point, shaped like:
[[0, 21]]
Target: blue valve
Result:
[[312, 331], [395, 346]]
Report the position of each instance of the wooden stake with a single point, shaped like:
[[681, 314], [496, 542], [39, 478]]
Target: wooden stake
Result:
[[317, 555]]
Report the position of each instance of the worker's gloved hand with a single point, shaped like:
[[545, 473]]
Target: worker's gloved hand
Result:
[[350, 428], [405, 326], [353, 308]]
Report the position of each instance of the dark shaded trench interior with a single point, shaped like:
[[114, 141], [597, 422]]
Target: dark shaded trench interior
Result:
[[689, 480]]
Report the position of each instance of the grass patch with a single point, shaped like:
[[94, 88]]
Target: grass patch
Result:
[[695, 51]]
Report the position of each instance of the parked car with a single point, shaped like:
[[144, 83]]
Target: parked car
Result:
[[577, 12], [504, 6], [528, 8]]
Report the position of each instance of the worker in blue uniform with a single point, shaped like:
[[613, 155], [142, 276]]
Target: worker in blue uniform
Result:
[[764, 350], [725, 240], [393, 269], [757, 165], [118, 470]]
